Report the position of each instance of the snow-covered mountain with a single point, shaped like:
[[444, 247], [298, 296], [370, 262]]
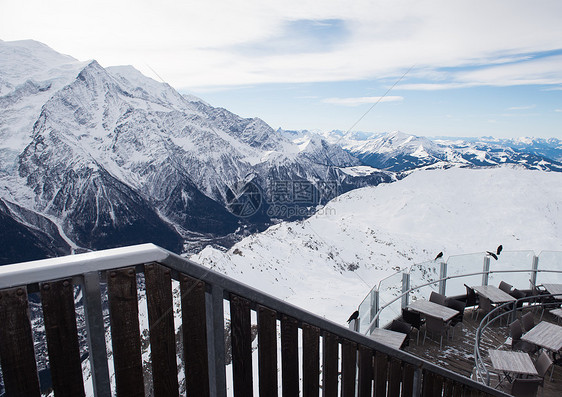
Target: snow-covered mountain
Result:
[[112, 157], [329, 262], [398, 151]]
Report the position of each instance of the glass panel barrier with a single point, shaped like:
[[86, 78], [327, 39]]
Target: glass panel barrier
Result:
[[512, 260], [463, 264], [550, 260], [423, 273], [365, 312], [389, 288]]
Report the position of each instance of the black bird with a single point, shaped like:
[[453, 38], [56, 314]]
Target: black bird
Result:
[[492, 255], [499, 250], [439, 255], [353, 316]]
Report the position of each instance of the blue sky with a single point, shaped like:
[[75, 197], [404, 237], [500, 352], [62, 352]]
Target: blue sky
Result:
[[475, 67], [512, 111]]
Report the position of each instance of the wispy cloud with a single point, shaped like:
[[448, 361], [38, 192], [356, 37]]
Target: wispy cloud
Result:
[[218, 43], [361, 100], [522, 107]]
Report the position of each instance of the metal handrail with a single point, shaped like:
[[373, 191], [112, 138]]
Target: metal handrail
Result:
[[375, 318], [374, 294], [491, 317], [84, 265]]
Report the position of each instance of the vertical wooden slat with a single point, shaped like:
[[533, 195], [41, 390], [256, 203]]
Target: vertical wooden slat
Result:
[[125, 334], [448, 386], [267, 351], [311, 361], [194, 326], [289, 357], [437, 385], [57, 299], [394, 376], [458, 389], [408, 372], [17, 356], [216, 338], [349, 368], [240, 328], [329, 365], [365, 371], [162, 334], [381, 365], [429, 379]]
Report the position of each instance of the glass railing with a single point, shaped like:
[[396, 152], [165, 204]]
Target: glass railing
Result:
[[549, 260], [426, 274], [389, 288], [462, 265], [518, 268], [503, 269]]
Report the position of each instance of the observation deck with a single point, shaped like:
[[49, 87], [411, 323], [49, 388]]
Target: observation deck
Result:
[[140, 320], [521, 274]]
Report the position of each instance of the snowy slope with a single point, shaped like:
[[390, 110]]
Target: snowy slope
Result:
[[328, 263]]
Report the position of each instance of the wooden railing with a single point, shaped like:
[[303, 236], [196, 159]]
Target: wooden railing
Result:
[[317, 356]]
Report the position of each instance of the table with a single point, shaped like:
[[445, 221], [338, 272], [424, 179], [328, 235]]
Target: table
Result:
[[513, 362], [557, 313], [433, 309], [554, 289], [546, 335], [510, 362], [387, 337], [494, 294]]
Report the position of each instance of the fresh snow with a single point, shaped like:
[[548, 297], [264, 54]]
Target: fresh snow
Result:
[[328, 263], [360, 170]]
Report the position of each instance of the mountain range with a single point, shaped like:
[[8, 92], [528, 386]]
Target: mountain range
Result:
[[95, 157], [109, 157]]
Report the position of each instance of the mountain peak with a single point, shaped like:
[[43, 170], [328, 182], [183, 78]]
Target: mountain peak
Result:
[[25, 59]]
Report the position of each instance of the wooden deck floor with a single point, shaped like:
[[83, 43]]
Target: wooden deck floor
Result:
[[457, 354]]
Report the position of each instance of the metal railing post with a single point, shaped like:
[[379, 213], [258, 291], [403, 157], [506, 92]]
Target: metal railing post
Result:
[[96, 335], [486, 270], [442, 276], [375, 306], [534, 271], [405, 287], [216, 350]]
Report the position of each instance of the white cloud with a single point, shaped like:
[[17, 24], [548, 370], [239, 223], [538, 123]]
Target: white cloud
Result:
[[195, 43], [361, 100], [522, 107]]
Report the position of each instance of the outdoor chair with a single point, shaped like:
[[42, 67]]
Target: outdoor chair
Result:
[[542, 365], [505, 287], [517, 294], [437, 298], [525, 387], [540, 297], [436, 326], [557, 360], [414, 319], [471, 299], [402, 327], [484, 305], [459, 306], [528, 321], [515, 333]]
